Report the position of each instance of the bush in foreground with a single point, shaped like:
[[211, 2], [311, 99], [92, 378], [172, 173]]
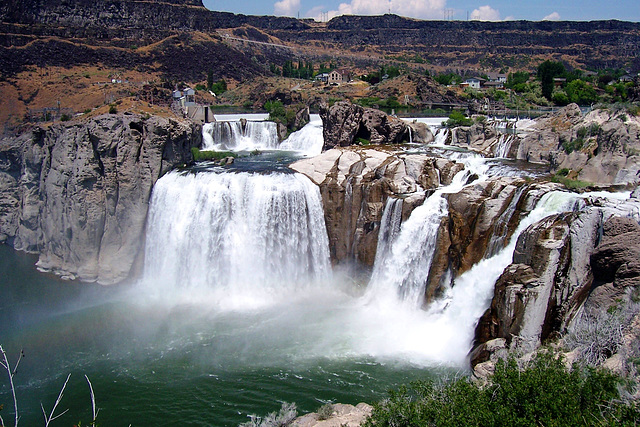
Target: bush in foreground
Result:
[[542, 393]]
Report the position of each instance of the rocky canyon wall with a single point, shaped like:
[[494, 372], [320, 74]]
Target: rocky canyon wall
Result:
[[78, 193]]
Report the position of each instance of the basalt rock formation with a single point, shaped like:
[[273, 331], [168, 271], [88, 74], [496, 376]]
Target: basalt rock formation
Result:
[[78, 193], [559, 263], [346, 124], [355, 184], [600, 147]]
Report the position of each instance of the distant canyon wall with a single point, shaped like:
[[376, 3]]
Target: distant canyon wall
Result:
[[78, 193]]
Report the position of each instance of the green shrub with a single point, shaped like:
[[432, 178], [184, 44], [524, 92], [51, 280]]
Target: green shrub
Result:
[[199, 155], [456, 118], [570, 183], [325, 412], [113, 109], [542, 393], [573, 145]]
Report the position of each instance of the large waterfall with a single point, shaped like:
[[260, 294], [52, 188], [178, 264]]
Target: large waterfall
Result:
[[243, 238]]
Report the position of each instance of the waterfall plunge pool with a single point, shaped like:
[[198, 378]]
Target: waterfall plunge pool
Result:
[[166, 358]]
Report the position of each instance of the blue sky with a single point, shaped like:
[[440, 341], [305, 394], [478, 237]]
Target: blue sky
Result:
[[491, 10]]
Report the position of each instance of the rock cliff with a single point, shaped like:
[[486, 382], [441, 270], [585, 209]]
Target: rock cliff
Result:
[[355, 184], [77, 193], [552, 275]]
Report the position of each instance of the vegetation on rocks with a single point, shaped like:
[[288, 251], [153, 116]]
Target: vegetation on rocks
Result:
[[456, 118], [541, 392], [201, 155]]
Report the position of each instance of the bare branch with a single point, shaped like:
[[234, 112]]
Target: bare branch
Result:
[[94, 414], [7, 366], [55, 405]]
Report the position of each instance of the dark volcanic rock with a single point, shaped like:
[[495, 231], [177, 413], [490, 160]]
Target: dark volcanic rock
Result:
[[343, 123], [617, 257], [78, 193]]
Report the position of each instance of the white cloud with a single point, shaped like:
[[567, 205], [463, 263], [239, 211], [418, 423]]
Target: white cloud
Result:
[[555, 16], [287, 7], [485, 13], [411, 8]]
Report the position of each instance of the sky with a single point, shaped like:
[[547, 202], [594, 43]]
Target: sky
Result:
[[486, 10]]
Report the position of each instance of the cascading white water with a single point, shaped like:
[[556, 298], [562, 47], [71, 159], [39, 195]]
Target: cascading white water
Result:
[[441, 136], [400, 273], [503, 146], [389, 228], [232, 136], [308, 140], [242, 239]]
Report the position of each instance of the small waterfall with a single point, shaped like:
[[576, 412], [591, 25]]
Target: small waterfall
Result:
[[233, 136], [244, 238], [441, 136], [498, 239], [400, 272], [503, 146], [410, 134], [389, 227], [308, 140]]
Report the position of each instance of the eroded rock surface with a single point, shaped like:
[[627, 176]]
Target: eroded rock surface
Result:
[[345, 123], [78, 193], [552, 276], [355, 184]]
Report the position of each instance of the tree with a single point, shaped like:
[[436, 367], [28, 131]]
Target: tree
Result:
[[547, 71], [517, 80], [581, 93], [210, 79]]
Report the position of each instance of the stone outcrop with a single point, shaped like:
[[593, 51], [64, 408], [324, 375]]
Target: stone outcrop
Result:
[[618, 254], [601, 147], [78, 193], [342, 415], [559, 263], [345, 123], [355, 184]]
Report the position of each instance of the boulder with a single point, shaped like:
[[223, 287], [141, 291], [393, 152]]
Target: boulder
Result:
[[78, 193], [342, 415], [344, 124]]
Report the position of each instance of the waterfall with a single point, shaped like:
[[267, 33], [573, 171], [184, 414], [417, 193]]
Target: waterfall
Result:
[[441, 135], [233, 136], [389, 227], [308, 140], [410, 135], [498, 239], [402, 267], [244, 239], [503, 146]]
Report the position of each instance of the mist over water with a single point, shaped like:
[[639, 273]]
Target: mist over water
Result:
[[239, 309]]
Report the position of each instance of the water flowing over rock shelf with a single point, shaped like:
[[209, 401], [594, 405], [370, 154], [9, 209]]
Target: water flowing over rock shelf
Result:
[[349, 266]]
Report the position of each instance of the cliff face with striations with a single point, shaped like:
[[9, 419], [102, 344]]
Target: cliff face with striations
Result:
[[77, 194]]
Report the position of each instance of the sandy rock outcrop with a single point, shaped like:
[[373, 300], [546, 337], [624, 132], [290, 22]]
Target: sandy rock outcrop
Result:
[[342, 415], [78, 193], [602, 146], [355, 185]]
